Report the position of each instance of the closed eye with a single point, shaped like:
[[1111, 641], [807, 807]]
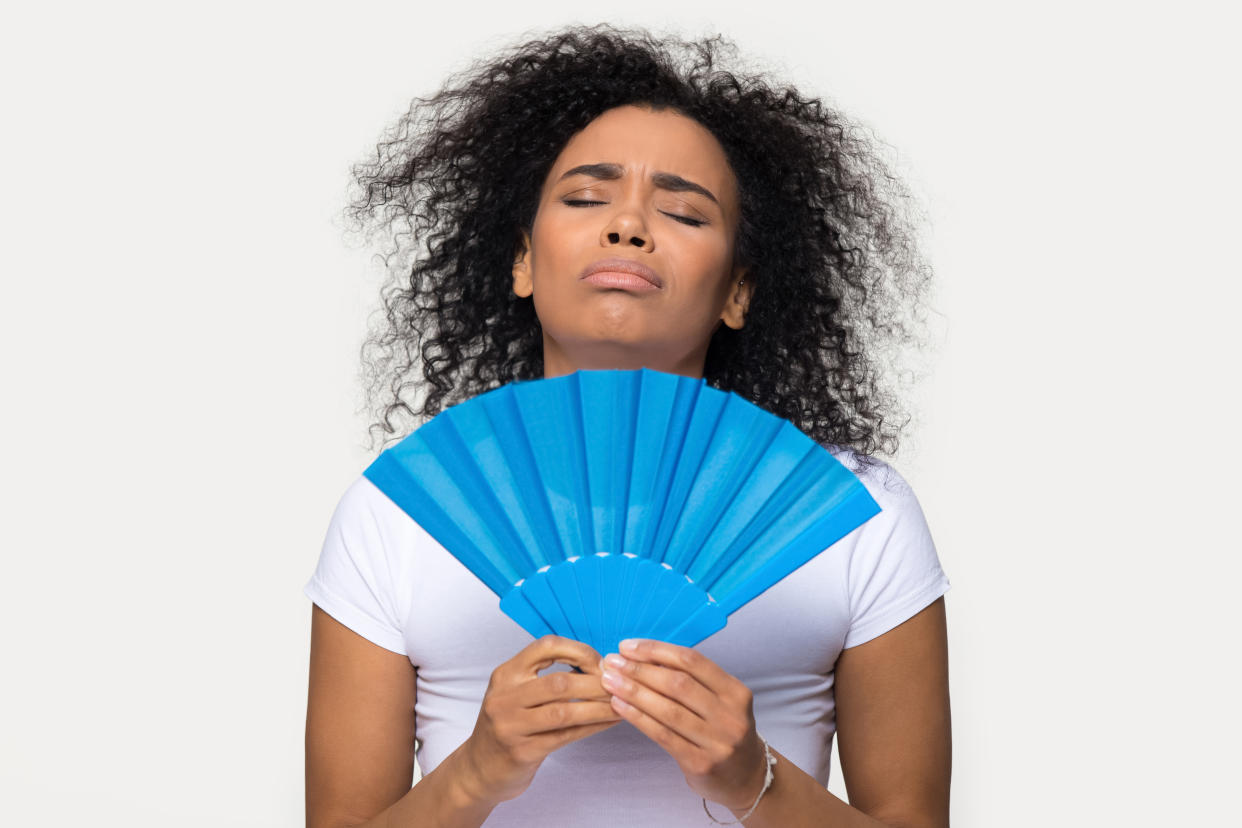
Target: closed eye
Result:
[[686, 220], [581, 202]]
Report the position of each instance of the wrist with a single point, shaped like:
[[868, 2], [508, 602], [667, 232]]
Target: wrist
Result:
[[742, 812], [470, 789], [752, 787]]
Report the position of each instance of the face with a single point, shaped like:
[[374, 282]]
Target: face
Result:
[[650, 192]]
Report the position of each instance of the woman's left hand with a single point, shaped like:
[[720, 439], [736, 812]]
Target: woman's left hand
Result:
[[701, 715]]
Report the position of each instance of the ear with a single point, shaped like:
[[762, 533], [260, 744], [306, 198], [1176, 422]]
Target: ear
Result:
[[740, 291], [523, 285]]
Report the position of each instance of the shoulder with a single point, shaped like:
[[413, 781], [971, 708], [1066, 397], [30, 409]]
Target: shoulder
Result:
[[901, 520], [362, 497], [888, 486], [368, 519], [363, 500], [893, 569]]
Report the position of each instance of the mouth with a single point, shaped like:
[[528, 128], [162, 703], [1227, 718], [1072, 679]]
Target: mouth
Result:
[[624, 274]]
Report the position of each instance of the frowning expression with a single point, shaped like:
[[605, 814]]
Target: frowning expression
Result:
[[630, 258]]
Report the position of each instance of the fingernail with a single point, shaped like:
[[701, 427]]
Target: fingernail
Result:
[[611, 679], [629, 645], [615, 661]]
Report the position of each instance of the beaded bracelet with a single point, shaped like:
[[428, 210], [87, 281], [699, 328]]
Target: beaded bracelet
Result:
[[769, 762]]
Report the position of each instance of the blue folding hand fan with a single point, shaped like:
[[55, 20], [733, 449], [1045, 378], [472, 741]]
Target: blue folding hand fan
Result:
[[605, 505]]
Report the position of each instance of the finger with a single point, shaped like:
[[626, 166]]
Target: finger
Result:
[[550, 649], [702, 668], [673, 684], [666, 712], [676, 745], [548, 742], [559, 687], [565, 715]]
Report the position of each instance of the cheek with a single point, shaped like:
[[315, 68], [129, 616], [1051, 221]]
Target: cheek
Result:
[[708, 263], [556, 238]]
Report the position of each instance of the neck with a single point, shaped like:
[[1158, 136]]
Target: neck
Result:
[[558, 362]]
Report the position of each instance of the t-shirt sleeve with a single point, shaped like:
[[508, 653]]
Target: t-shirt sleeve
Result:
[[894, 570], [352, 581]]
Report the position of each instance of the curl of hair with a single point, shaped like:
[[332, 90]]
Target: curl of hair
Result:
[[838, 278]]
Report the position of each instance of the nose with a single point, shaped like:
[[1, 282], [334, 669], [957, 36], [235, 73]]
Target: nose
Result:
[[626, 227]]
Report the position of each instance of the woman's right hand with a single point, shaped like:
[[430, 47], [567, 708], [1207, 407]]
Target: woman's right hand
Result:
[[525, 716]]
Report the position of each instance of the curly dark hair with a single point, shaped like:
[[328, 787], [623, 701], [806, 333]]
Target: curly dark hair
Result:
[[839, 280]]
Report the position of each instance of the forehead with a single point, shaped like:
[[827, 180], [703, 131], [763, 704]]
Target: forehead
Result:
[[644, 141]]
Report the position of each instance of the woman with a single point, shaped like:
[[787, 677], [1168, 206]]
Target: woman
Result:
[[589, 201]]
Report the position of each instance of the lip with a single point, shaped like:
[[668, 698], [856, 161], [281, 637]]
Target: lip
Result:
[[622, 266]]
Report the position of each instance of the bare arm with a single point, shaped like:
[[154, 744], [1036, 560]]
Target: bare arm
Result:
[[893, 720], [360, 740], [360, 732], [892, 700]]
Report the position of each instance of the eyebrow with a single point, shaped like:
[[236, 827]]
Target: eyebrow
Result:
[[663, 180]]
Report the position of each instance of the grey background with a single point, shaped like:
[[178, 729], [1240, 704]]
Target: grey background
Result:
[[182, 315]]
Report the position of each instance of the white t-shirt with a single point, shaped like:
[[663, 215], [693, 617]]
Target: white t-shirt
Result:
[[384, 577]]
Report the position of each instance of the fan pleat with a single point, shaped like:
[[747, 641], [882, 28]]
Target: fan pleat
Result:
[[463, 445], [603, 429], [850, 506], [584, 575], [655, 429], [530, 604], [713, 501], [702, 416], [440, 514], [553, 425], [784, 471], [853, 511], [511, 454]]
